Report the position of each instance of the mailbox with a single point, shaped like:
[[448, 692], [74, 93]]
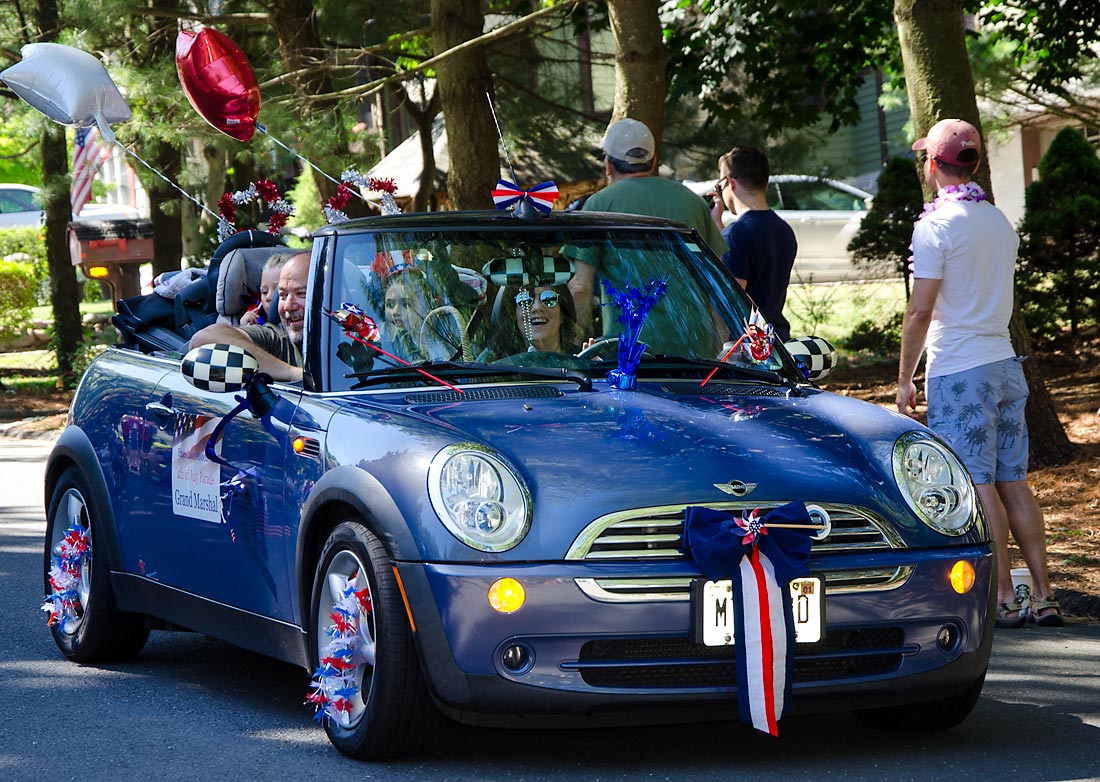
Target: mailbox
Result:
[[110, 252]]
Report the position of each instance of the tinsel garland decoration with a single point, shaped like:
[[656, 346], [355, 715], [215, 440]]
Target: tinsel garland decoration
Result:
[[263, 190]]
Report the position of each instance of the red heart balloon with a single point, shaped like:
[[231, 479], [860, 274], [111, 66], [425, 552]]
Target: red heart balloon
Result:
[[219, 82]]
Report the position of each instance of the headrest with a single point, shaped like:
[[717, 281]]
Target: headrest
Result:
[[239, 280]]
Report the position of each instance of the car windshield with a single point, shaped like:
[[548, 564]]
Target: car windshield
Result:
[[531, 297]]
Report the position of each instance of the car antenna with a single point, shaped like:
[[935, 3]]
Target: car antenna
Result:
[[525, 204]]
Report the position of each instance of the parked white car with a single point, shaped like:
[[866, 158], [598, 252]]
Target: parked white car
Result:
[[824, 213], [21, 207]]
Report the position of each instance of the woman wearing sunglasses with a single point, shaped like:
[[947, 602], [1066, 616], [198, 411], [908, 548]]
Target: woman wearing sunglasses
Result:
[[540, 318]]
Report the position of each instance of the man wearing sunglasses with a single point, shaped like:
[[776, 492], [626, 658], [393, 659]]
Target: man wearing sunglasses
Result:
[[760, 246]]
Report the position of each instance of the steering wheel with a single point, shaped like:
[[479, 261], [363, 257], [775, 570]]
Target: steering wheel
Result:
[[599, 342]]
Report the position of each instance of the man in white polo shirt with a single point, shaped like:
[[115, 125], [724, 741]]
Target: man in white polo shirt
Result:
[[964, 257]]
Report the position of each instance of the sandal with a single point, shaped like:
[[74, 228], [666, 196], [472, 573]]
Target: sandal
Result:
[[1011, 622], [1046, 620]]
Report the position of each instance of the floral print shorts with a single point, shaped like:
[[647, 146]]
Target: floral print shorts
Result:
[[980, 413]]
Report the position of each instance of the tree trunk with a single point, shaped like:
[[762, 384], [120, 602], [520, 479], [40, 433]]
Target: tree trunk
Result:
[[64, 291], [303, 51], [165, 209], [640, 61], [940, 85], [463, 83], [64, 296], [423, 116]]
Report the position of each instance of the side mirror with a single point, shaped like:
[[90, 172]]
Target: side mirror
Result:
[[814, 355], [219, 368], [226, 369]]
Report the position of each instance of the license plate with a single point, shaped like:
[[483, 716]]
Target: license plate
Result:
[[714, 611]]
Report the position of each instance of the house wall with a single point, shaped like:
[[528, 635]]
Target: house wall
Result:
[[854, 153]]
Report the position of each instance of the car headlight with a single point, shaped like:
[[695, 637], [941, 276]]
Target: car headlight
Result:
[[935, 484], [479, 497]]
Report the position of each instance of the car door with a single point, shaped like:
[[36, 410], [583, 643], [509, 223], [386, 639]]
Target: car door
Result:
[[824, 219], [218, 530]]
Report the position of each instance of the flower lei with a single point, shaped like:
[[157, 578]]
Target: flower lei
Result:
[[334, 680], [266, 191], [968, 191], [64, 603], [333, 208]]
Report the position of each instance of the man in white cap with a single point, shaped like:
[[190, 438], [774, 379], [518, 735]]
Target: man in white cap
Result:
[[964, 257], [630, 161]]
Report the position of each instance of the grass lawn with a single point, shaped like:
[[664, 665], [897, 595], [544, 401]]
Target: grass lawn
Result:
[[832, 310], [103, 307]]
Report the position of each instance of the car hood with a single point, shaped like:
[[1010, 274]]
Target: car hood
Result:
[[584, 454]]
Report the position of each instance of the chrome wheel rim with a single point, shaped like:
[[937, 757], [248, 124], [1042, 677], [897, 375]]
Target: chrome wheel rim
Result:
[[72, 512], [346, 565]]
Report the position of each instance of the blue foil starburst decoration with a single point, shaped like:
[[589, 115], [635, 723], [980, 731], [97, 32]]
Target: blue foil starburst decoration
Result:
[[634, 306]]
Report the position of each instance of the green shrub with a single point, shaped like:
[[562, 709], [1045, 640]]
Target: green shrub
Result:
[[881, 245], [875, 336], [17, 286], [1058, 275], [28, 242]]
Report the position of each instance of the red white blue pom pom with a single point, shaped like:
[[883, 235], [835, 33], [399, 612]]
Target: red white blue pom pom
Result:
[[66, 573], [334, 683]]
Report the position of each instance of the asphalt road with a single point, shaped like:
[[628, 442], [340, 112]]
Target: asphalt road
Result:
[[190, 708]]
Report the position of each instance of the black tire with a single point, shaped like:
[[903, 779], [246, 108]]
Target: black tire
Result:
[[100, 632], [393, 713], [941, 714]]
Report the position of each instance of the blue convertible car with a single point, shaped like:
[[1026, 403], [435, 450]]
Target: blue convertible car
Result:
[[474, 503]]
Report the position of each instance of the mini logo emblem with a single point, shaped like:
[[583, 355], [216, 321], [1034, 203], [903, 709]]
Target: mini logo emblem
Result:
[[736, 488]]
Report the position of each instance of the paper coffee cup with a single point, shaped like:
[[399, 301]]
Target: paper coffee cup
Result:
[[1021, 582]]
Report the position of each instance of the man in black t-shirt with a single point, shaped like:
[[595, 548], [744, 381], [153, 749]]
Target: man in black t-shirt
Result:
[[760, 246]]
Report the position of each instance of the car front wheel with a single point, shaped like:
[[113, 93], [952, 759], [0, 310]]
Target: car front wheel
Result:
[[369, 685], [86, 624]]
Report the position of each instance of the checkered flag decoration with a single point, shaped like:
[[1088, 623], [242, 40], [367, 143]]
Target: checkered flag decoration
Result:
[[815, 355], [219, 368], [520, 272]]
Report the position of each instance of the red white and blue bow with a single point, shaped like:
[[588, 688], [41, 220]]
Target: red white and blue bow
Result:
[[760, 556], [541, 196]]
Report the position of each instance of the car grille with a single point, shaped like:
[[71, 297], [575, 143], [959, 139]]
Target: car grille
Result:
[[679, 663], [656, 534]]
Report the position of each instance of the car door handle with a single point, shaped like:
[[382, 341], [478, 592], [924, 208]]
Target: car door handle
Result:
[[160, 412]]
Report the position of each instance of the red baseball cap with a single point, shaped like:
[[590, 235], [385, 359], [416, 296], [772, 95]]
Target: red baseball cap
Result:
[[952, 141]]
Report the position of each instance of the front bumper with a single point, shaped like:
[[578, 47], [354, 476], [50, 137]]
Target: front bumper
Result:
[[630, 662]]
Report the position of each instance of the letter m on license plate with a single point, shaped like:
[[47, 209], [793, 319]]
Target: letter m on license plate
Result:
[[712, 611]]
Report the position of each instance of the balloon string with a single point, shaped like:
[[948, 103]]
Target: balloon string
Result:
[[308, 162], [194, 200]]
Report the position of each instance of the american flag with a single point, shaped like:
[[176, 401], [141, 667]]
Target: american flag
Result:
[[89, 153]]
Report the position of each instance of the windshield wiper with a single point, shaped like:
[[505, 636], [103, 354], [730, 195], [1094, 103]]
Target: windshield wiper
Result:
[[459, 369]]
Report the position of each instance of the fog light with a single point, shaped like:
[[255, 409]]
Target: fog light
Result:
[[947, 638], [507, 595], [962, 576], [516, 658]]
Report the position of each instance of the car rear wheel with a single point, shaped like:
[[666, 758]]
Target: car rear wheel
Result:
[[940, 714], [86, 623], [386, 709]]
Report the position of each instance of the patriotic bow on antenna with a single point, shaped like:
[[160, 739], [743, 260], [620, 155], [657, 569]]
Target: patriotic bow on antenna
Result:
[[542, 196]]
